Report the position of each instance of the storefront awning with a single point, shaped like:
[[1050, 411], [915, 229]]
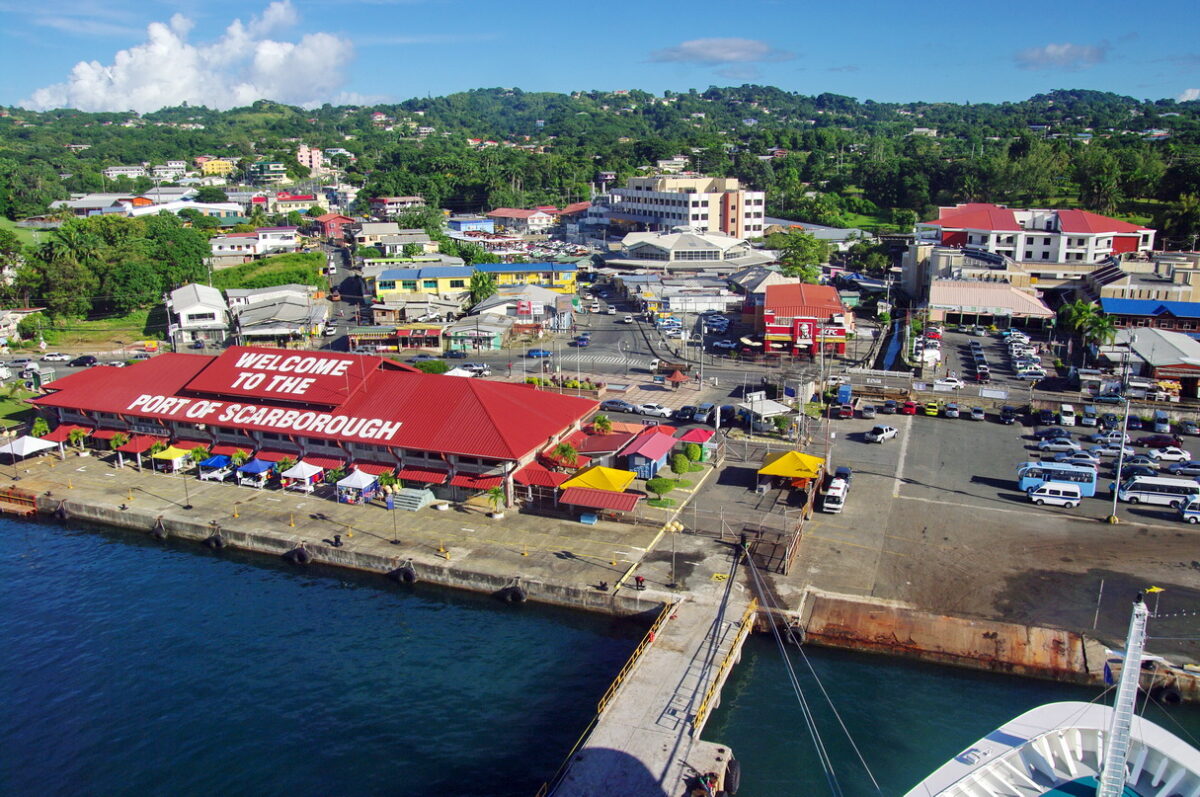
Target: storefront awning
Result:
[[62, 432], [421, 475], [599, 499], [140, 443], [477, 482]]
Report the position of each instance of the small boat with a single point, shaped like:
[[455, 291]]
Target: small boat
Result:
[[1076, 749]]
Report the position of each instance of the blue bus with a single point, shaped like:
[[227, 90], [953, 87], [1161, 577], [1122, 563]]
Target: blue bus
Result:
[[1031, 475]]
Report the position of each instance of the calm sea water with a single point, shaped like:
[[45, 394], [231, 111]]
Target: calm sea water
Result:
[[133, 668], [906, 718]]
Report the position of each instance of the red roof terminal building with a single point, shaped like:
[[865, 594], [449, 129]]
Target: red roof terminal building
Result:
[[800, 319], [342, 409]]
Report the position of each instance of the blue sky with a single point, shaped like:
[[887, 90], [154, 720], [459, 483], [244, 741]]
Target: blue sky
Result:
[[124, 54]]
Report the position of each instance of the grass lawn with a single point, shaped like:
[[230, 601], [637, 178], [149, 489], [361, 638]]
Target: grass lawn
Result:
[[105, 333], [24, 235], [13, 409], [303, 269], [660, 503]]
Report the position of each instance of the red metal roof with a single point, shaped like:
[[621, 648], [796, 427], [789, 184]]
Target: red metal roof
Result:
[[282, 375], [477, 482], [471, 417], [373, 469], [603, 443], [107, 434], [62, 432], [421, 475], [977, 216], [800, 300], [328, 463], [652, 445], [697, 436], [599, 499], [141, 443], [229, 451], [1082, 221], [188, 445], [267, 455], [539, 476]]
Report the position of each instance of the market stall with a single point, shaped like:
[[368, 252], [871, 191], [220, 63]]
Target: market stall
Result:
[[302, 477], [357, 488], [215, 468], [171, 459], [255, 473]]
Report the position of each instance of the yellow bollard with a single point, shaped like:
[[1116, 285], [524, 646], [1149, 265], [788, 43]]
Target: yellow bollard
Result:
[[235, 511], [292, 521], [524, 550], [69, 485], [441, 547], [349, 534], [130, 496]]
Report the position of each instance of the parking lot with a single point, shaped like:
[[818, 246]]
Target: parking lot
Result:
[[934, 519], [957, 358]]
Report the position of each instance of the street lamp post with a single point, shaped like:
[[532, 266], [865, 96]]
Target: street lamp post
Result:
[[1112, 518]]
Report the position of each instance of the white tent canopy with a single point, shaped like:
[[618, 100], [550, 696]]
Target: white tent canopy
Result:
[[358, 480], [24, 446], [301, 470]]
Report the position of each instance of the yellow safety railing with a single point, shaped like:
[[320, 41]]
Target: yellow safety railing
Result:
[[726, 663], [651, 633]]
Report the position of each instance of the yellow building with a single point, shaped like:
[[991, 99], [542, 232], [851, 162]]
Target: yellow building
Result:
[[218, 167], [438, 280], [559, 277]]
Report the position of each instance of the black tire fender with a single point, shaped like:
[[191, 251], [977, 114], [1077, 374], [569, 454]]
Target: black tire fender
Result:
[[733, 776]]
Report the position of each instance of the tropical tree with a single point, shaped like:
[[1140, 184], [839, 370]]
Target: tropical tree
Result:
[[157, 446], [1101, 330], [40, 427], [565, 452], [1078, 315], [602, 424], [76, 438], [660, 486], [287, 463], [117, 440], [238, 458], [497, 497], [198, 454], [481, 287]]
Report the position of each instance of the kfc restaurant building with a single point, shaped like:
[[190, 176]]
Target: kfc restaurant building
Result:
[[329, 409], [802, 319]]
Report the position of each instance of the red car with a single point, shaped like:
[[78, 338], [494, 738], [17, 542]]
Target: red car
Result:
[[908, 408]]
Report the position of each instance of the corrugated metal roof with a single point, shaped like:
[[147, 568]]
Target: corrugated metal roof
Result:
[[654, 445], [968, 295], [539, 476], [977, 216], [62, 432], [1082, 221], [476, 482], [800, 300], [423, 475], [599, 499], [505, 268], [1150, 307]]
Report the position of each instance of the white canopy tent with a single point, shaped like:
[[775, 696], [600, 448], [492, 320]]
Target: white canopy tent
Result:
[[24, 446], [303, 476], [358, 480]]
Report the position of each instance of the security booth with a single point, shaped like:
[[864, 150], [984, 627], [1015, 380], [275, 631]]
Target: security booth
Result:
[[357, 488]]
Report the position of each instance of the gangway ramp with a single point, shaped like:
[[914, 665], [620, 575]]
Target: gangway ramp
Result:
[[647, 738]]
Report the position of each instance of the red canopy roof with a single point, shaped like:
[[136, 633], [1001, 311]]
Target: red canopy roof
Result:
[[107, 434], [229, 451], [266, 455], [373, 469], [599, 499], [477, 482], [537, 475], [977, 216], [328, 463], [188, 445], [697, 436], [62, 432], [141, 443], [653, 445], [421, 475]]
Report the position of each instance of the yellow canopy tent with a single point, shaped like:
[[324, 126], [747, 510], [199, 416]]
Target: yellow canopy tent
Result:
[[171, 452], [791, 465], [601, 478]]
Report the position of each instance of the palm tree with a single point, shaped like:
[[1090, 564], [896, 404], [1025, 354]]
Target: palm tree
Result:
[[118, 440], [481, 287], [565, 452], [1102, 330], [40, 427], [602, 424], [238, 458], [497, 497], [75, 438], [1078, 314]]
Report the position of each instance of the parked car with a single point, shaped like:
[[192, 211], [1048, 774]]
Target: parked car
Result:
[[951, 382], [654, 410], [1111, 450], [55, 357], [1142, 459], [951, 410], [479, 369], [1130, 471], [83, 361], [868, 411], [421, 358], [617, 405], [844, 411], [455, 354], [1109, 420], [908, 408], [1050, 432], [880, 433], [977, 414], [724, 344], [1169, 454], [1109, 398], [1133, 423], [1059, 444], [1008, 415], [1189, 427], [1031, 375], [844, 473], [1044, 417], [1188, 468], [685, 413], [540, 353], [932, 408], [1078, 458], [1159, 440], [1110, 436], [889, 407]]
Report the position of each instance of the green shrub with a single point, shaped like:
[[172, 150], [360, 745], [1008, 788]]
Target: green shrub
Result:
[[680, 464], [692, 452]]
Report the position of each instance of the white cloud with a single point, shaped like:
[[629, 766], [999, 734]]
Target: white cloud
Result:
[[1189, 95], [721, 51], [1063, 56], [239, 67]]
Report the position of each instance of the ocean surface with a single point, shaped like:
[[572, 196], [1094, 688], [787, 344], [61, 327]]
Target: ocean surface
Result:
[[129, 667], [906, 718]]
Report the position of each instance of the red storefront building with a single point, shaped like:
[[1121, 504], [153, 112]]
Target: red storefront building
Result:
[[800, 319], [336, 410]]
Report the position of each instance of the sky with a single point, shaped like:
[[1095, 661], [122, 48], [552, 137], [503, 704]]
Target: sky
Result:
[[132, 54]]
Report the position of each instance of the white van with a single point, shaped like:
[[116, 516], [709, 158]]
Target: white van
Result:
[[1089, 417], [1190, 511], [835, 496], [1056, 494], [1066, 415], [1162, 422]]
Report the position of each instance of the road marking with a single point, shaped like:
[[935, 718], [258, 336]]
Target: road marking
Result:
[[903, 456]]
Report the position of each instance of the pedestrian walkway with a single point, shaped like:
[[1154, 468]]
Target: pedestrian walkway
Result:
[[647, 740]]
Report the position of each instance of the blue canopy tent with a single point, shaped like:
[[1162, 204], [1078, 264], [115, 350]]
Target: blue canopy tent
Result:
[[255, 473], [215, 468]]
